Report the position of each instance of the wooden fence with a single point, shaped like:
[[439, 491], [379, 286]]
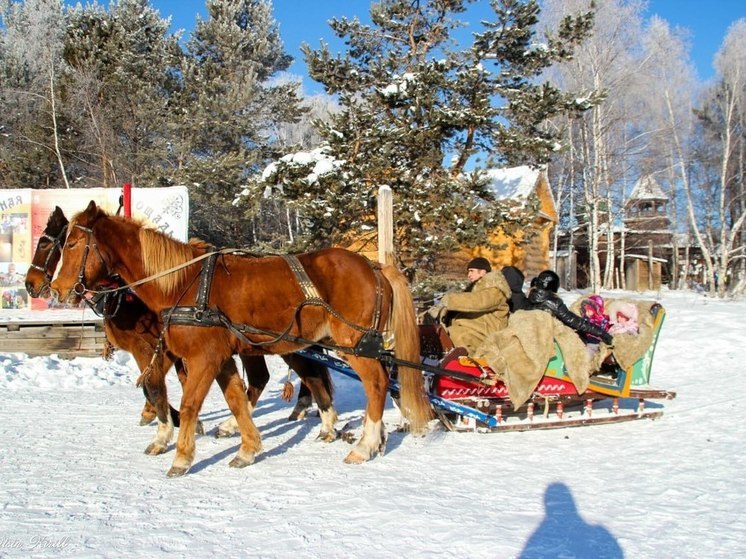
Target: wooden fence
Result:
[[68, 339]]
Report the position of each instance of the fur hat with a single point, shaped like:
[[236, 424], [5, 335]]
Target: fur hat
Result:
[[479, 263]]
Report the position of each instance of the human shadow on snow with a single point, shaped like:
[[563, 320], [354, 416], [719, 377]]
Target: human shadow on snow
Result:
[[563, 533]]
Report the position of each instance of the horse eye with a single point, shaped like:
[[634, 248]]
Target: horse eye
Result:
[[72, 244]]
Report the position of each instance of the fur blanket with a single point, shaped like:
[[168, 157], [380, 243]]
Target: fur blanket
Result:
[[519, 353]]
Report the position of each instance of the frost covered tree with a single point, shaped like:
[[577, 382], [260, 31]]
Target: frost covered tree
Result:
[[228, 113], [122, 71], [723, 121], [605, 138], [31, 143], [668, 88], [417, 111]]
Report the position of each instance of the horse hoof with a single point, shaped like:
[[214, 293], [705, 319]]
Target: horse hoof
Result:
[[146, 420], [199, 429], [296, 415], [327, 437], [176, 471], [154, 449], [227, 428], [240, 462], [354, 458]]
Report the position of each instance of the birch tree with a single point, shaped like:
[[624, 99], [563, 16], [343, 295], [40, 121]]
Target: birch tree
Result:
[[605, 137], [723, 117], [668, 90]]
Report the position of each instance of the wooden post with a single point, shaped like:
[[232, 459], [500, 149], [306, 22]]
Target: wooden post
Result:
[[385, 225], [650, 265]]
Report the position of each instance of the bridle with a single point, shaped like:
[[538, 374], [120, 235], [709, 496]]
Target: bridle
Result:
[[80, 288], [56, 244]]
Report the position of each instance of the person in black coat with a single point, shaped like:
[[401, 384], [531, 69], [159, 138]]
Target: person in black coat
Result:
[[543, 296], [518, 300]]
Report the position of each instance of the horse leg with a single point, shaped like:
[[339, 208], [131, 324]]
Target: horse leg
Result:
[[181, 374], [233, 390], [303, 403], [155, 384], [316, 380], [258, 376], [147, 415], [375, 382], [203, 368], [304, 368]]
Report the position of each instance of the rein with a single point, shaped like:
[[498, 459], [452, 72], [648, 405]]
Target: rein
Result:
[[129, 286]]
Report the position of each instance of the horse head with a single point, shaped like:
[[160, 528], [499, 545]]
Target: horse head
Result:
[[47, 255], [83, 265]]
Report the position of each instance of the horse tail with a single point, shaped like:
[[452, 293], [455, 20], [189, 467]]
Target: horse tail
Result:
[[414, 404]]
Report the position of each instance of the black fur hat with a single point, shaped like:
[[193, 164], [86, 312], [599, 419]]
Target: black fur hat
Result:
[[479, 263]]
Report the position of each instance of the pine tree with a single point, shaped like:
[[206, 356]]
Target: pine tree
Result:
[[227, 111], [416, 111]]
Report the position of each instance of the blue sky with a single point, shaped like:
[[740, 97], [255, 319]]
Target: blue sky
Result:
[[305, 21]]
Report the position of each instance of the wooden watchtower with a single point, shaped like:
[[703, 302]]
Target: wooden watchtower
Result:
[[648, 236]]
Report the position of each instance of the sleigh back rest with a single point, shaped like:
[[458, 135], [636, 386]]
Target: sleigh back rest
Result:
[[620, 380], [640, 370]]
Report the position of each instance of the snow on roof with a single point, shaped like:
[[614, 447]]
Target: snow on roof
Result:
[[647, 188], [513, 182]]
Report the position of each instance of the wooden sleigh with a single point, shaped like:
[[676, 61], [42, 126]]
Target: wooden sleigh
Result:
[[614, 393], [462, 402]]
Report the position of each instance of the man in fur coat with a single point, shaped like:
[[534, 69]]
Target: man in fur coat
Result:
[[480, 309]]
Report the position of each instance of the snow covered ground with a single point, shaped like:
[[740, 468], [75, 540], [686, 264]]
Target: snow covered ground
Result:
[[74, 481]]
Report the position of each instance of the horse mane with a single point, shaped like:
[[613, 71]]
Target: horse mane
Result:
[[161, 252]]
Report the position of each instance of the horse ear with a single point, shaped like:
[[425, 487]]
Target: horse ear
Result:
[[91, 207]]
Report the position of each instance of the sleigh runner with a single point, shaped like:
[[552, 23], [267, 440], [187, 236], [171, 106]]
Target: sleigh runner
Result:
[[465, 396]]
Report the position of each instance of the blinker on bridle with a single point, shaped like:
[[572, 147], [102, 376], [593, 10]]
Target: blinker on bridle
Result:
[[80, 288], [56, 244]]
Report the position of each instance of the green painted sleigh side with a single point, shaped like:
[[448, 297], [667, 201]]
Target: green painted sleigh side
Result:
[[613, 380]]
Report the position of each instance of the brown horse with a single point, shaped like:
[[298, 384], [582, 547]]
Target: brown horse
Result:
[[131, 326], [257, 306]]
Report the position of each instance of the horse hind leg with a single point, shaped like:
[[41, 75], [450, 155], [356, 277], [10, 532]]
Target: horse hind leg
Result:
[[302, 404], [257, 375], [375, 383], [316, 381]]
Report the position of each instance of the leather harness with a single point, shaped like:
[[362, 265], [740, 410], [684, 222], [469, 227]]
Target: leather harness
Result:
[[202, 314]]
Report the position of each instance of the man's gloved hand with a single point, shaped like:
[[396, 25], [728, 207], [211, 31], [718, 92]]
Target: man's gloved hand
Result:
[[437, 312], [608, 339]]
